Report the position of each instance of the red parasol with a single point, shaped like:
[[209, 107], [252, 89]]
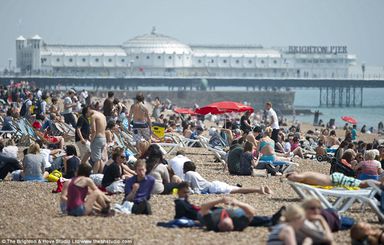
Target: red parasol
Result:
[[185, 111], [349, 119], [224, 107]]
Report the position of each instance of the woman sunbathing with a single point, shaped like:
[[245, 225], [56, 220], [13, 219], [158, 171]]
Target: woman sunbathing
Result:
[[335, 179]]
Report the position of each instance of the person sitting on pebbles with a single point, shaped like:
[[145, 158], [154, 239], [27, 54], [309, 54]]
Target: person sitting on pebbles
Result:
[[138, 189], [80, 196], [200, 185]]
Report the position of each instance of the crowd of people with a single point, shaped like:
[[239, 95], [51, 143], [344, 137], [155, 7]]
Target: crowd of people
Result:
[[96, 150]]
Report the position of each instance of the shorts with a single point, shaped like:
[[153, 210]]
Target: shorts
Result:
[[78, 211], [218, 187], [267, 158], [141, 131], [339, 179], [63, 207], [83, 148], [97, 147]]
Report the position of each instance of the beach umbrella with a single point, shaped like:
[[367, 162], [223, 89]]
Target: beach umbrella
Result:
[[185, 111], [223, 107], [349, 119]]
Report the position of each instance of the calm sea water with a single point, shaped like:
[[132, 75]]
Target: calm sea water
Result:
[[370, 114]]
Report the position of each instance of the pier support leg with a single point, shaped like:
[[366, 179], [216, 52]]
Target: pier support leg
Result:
[[348, 97], [333, 97]]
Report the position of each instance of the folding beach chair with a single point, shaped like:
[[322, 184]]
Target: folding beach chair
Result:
[[13, 134], [124, 144], [219, 153], [185, 142], [338, 198], [32, 133], [169, 147], [27, 134], [66, 130]]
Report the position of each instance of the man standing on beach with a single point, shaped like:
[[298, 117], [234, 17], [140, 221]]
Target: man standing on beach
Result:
[[69, 118], [141, 125], [273, 121], [98, 140], [108, 106]]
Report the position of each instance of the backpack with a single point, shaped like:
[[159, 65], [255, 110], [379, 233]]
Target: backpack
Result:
[[233, 162], [23, 110]]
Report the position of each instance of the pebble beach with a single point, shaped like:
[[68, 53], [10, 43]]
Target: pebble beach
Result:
[[30, 210]]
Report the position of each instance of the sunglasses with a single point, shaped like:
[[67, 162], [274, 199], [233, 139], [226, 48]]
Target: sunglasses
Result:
[[314, 208], [122, 157]]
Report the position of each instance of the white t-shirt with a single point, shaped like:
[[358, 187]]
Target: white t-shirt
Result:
[[177, 164], [43, 107], [45, 153], [39, 93], [28, 104], [197, 183], [287, 147], [272, 115], [10, 151], [67, 101]]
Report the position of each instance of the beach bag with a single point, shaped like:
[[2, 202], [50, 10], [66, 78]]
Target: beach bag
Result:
[[54, 176]]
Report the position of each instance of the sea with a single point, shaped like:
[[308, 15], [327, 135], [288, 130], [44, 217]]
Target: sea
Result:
[[370, 114]]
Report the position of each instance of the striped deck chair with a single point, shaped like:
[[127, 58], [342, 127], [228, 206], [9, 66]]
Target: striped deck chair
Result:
[[124, 144], [66, 130], [14, 134], [27, 134]]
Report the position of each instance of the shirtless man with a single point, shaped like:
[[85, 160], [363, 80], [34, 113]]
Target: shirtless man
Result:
[[97, 138], [141, 122]]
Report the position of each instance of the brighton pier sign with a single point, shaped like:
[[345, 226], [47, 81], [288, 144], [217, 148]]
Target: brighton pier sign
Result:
[[317, 49]]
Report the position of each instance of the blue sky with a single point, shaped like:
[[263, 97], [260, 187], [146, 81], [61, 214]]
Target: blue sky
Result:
[[355, 23]]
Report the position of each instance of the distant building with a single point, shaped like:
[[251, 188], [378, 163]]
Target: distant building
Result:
[[157, 55]]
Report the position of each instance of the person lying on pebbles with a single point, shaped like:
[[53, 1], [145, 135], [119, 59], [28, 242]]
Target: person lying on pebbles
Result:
[[335, 179], [235, 218], [200, 185], [185, 209]]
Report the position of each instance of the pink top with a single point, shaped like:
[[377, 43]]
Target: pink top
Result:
[[370, 167], [76, 195], [294, 146]]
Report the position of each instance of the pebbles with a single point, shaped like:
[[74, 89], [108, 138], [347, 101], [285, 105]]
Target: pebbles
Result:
[[30, 210]]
